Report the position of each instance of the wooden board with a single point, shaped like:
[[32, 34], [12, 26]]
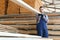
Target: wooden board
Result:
[[26, 39], [15, 18], [24, 27], [57, 33], [54, 27], [28, 22], [6, 34], [13, 8], [33, 27], [53, 14], [29, 2], [19, 22], [5, 28], [54, 21], [54, 33], [28, 31], [2, 7], [55, 37]]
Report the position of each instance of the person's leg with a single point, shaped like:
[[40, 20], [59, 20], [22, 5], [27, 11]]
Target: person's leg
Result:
[[39, 30], [45, 32]]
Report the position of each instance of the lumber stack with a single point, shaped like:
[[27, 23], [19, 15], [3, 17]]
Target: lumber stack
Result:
[[25, 39], [54, 26], [5, 28], [26, 24], [8, 7], [2, 7]]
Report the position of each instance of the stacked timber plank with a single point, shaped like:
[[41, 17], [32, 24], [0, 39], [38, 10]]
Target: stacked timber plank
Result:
[[22, 21], [24, 39], [8, 7], [2, 7], [26, 24], [54, 26], [5, 28]]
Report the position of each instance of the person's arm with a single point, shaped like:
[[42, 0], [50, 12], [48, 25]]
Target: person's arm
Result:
[[46, 18], [38, 18]]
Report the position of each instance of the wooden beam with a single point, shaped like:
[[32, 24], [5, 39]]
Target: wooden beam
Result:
[[18, 35], [23, 4], [5, 28], [33, 27], [26, 39], [54, 27], [19, 22], [2, 7]]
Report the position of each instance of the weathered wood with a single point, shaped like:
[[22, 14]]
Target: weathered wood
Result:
[[26, 38], [18, 35], [54, 33], [17, 15], [5, 28], [53, 14], [55, 37], [28, 22], [28, 31], [33, 27], [35, 32], [26, 15], [31, 3], [13, 8], [15, 19], [54, 21], [54, 27], [24, 27], [19, 22]]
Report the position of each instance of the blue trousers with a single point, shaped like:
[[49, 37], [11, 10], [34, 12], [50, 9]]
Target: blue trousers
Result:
[[42, 28]]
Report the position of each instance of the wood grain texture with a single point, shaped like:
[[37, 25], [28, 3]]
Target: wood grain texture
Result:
[[13, 8], [2, 7], [5, 28]]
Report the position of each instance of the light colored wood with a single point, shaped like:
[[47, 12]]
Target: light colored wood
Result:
[[18, 16], [54, 21], [53, 14], [18, 35], [34, 3], [24, 27], [2, 7], [25, 5], [28, 22], [54, 27], [15, 19], [55, 37], [30, 2], [33, 27], [28, 31], [5, 28], [35, 32], [54, 32], [13, 8], [19, 22], [26, 39]]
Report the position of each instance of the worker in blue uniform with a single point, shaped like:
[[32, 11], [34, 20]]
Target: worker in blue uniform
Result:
[[42, 20]]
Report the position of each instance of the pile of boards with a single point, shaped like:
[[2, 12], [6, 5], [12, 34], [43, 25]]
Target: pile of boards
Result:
[[26, 24]]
